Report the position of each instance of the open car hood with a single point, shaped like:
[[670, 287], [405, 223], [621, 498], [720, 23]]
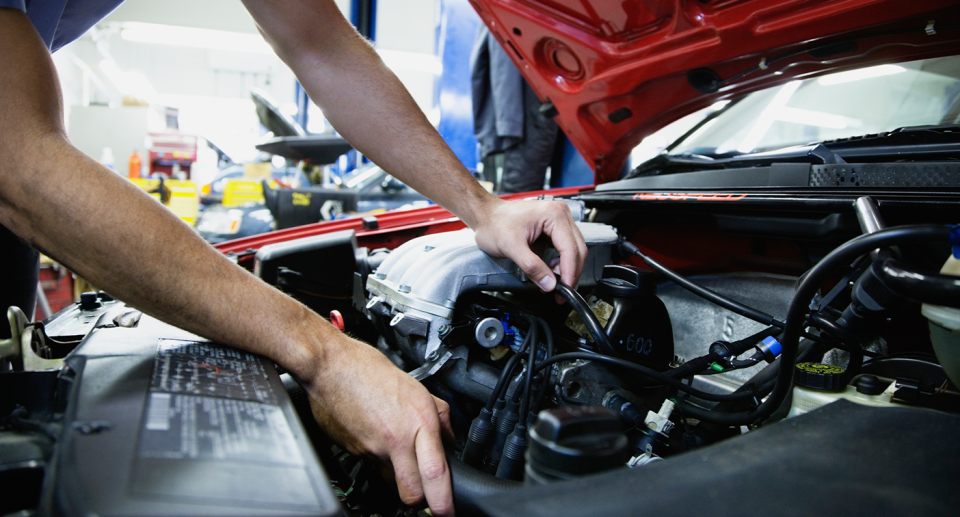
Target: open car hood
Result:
[[616, 71]]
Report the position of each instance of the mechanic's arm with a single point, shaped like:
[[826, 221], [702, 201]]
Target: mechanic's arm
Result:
[[116, 236], [369, 106]]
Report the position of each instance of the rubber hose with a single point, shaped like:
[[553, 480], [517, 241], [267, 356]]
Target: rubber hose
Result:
[[703, 292], [588, 317], [469, 485], [918, 286], [799, 306]]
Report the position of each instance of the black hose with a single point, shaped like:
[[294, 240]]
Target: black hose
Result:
[[918, 286], [643, 370], [527, 393], [799, 306], [520, 396], [470, 484], [506, 374], [703, 292], [588, 317], [545, 381]]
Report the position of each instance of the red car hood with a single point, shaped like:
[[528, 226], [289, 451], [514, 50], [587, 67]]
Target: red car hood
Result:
[[618, 70]]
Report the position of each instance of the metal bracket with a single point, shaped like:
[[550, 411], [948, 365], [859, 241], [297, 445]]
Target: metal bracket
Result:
[[431, 367]]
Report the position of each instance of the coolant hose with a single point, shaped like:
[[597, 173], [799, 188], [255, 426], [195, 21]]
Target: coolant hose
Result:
[[703, 292], [589, 318], [469, 484], [919, 286], [799, 307]]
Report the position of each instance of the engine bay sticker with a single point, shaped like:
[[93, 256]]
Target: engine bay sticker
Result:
[[205, 369], [190, 427]]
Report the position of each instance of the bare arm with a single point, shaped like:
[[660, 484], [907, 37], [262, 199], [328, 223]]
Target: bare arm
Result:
[[116, 236], [369, 106]]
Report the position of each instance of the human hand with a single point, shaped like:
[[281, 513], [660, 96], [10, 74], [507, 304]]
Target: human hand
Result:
[[373, 408], [508, 228]]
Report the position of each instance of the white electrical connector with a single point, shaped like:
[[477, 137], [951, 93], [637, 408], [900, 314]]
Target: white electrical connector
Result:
[[660, 422]]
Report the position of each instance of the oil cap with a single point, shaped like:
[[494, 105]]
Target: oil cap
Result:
[[575, 441], [816, 376]]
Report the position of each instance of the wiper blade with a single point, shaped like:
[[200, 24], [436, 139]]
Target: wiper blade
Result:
[[915, 135]]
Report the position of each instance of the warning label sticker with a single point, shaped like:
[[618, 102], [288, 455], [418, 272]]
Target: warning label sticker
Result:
[[200, 368], [209, 402], [179, 426]]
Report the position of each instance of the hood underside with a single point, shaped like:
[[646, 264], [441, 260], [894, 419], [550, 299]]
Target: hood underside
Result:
[[616, 71]]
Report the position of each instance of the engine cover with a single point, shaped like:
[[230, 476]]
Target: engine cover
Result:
[[421, 280]]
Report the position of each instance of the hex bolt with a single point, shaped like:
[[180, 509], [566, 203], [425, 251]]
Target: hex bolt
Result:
[[381, 276], [403, 288], [432, 356], [444, 331]]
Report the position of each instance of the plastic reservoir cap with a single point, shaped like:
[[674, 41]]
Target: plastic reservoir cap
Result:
[[626, 281], [816, 376], [577, 440], [336, 319]]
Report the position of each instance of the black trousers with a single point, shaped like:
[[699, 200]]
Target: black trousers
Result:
[[19, 270], [525, 164]]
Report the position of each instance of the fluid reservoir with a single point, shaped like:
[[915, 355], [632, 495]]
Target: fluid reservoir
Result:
[[818, 384], [945, 329], [639, 326]]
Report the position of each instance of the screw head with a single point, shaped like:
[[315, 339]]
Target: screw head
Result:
[[380, 276], [432, 356], [428, 248], [404, 288]]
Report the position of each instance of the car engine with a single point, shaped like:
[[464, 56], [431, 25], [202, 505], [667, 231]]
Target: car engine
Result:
[[643, 387]]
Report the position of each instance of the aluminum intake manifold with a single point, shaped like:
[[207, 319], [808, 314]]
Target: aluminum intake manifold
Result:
[[419, 283]]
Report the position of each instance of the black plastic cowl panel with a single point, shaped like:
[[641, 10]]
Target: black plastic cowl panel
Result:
[[841, 459]]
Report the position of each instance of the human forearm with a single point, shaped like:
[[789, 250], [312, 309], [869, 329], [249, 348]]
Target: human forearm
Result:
[[109, 231], [366, 102]]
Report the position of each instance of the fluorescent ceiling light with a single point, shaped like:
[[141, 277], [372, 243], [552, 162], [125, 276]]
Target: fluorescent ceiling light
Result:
[[255, 44], [194, 37], [134, 84], [858, 75]]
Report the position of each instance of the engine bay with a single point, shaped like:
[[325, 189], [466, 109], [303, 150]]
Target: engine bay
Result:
[[660, 376]]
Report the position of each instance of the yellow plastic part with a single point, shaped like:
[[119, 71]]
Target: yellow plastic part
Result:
[[182, 200], [180, 196], [238, 192]]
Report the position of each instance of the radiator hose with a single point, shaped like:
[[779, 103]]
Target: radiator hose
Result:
[[469, 485]]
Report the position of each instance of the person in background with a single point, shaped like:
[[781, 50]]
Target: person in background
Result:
[[507, 118], [55, 199]]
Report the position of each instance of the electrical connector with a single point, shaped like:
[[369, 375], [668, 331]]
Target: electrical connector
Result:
[[770, 348], [660, 421]]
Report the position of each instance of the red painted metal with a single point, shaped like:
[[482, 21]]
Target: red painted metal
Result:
[[617, 70], [394, 228]]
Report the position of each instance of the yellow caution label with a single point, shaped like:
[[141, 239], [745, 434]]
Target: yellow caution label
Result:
[[301, 198], [826, 369]]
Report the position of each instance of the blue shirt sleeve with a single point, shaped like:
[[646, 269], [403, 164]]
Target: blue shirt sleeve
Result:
[[14, 4]]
